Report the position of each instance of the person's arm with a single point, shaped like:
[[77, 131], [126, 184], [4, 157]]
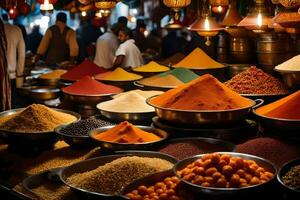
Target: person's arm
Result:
[[42, 49], [73, 46], [20, 61], [118, 61]]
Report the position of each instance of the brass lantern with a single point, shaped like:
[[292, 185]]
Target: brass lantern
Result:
[[177, 4], [105, 6]]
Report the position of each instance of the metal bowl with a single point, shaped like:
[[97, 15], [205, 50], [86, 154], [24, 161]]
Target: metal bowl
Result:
[[285, 128], [44, 92], [225, 192], [290, 78], [92, 164], [126, 146], [141, 118], [268, 98], [33, 138], [152, 87], [291, 192], [88, 100], [48, 82], [64, 83], [204, 117]]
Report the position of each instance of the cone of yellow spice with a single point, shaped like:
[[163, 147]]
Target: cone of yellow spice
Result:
[[118, 74], [56, 74], [198, 59], [152, 66], [126, 133]]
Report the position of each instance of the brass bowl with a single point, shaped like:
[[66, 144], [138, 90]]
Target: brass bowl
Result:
[[89, 100], [127, 146], [290, 78], [48, 82], [44, 92], [204, 117], [228, 192]]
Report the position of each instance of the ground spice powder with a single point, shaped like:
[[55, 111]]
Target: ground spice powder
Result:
[[285, 108], [85, 68], [36, 118], [161, 81], [292, 178], [118, 74], [204, 93], [56, 74], [256, 81], [152, 66], [88, 86], [198, 59]]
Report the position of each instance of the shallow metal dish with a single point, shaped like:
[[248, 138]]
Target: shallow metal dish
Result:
[[32, 138], [125, 146], [40, 70], [48, 82], [92, 164], [204, 117], [290, 78], [44, 92], [88, 100], [291, 192], [223, 192]]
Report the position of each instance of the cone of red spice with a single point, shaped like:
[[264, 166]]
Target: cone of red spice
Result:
[[85, 68], [87, 86]]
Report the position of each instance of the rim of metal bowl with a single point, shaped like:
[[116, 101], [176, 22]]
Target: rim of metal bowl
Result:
[[13, 111], [115, 112], [93, 132], [274, 118], [282, 71], [283, 167], [194, 158], [264, 95], [91, 95], [148, 101]]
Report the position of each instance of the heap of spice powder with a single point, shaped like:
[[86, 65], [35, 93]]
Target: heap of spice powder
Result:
[[112, 177], [204, 93], [292, 64], [56, 74], [198, 59], [130, 102], [118, 74], [88, 86], [272, 149], [152, 66], [125, 132], [285, 108], [256, 81], [169, 81], [172, 60], [86, 68], [144, 93], [292, 178], [35, 118]]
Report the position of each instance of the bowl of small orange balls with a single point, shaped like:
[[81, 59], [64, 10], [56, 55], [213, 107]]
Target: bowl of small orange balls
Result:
[[225, 173]]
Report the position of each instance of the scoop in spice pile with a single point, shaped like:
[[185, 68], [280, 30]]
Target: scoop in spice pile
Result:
[[203, 93], [125, 132], [35, 118], [256, 81], [111, 177]]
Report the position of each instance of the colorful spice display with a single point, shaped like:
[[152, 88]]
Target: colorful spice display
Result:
[[83, 127], [224, 171], [126, 133], [118, 74], [292, 178], [256, 81], [161, 81], [145, 94], [166, 189], [292, 64], [55, 74], [88, 86], [172, 60], [124, 104], [184, 75], [86, 68], [204, 93], [198, 59], [271, 149], [111, 177], [35, 118], [152, 66], [285, 108]]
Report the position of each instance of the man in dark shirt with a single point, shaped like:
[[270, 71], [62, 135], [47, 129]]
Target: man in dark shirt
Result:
[[34, 39]]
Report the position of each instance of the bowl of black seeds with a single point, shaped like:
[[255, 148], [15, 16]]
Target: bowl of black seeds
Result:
[[76, 134]]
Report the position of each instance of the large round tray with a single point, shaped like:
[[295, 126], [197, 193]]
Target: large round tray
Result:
[[91, 164], [204, 117], [32, 138]]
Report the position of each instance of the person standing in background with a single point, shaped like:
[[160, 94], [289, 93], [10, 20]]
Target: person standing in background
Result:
[[106, 47], [15, 56], [171, 44], [128, 54], [34, 39], [123, 21], [59, 43], [5, 91], [139, 35]]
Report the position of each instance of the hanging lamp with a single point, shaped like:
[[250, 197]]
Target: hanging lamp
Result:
[[105, 6]]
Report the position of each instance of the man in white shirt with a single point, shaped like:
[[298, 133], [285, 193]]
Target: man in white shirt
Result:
[[128, 54], [106, 47], [15, 55]]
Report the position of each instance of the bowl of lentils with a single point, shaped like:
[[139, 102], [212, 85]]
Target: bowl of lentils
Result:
[[76, 134]]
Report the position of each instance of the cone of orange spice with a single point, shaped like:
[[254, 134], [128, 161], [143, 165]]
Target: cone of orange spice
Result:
[[126, 133]]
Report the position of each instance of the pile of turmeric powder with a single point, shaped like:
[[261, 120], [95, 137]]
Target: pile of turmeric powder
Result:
[[118, 74], [125, 132], [203, 93], [285, 108], [56, 74]]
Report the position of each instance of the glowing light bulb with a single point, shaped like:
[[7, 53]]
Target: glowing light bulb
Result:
[[11, 11], [46, 5], [220, 9], [206, 24], [259, 20], [83, 14]]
